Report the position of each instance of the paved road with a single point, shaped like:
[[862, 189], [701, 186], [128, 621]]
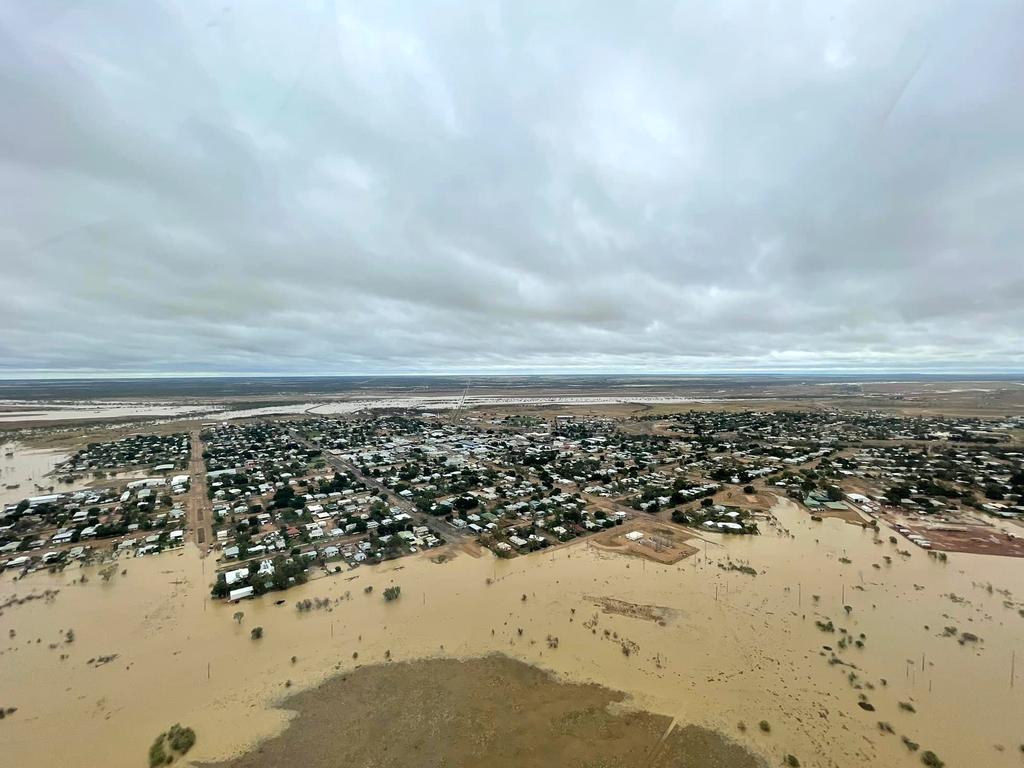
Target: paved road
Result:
[[437, 526], [200, 510]]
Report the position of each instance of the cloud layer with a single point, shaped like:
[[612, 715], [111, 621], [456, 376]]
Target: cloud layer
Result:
[[388, 187]]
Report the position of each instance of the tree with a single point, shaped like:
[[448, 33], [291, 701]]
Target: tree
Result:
[[220, 588], [256, 633], [238, 617], [392, 593]]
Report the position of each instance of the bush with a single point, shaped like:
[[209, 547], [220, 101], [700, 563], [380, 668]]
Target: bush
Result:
[[181, 739], [174, 743], [792, 762], [157, 755], [930, 759], [256, 633], [764, 726], [392, 593]]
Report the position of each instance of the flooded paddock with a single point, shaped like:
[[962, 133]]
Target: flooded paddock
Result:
[[725, 649], [25, 471]]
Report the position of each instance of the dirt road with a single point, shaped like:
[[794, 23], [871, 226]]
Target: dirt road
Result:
[[200, 511]]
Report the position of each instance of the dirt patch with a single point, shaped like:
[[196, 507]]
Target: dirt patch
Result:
[[487, 711], [734, 497], [656, 613], [658, 540], [851, 516], [971, 539]]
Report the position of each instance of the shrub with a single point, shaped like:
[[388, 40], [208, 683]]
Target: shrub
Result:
[[181, 739], [930, 759], [256, 633], [157, 755], [392, 593], [792, 761], [764, 726], [174, 743]]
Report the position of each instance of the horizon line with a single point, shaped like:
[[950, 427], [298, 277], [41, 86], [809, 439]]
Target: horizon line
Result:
[[143, 375]]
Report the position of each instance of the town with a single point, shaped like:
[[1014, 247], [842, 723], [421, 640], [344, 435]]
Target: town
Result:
[[279, 501]]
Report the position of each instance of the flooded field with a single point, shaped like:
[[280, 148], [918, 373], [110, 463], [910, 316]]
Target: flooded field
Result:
[[443, 403], [41, 412], [23, 471], [748, 629], [45, 411]]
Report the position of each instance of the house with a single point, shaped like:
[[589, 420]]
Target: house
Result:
[[242, 592], [239, 574]]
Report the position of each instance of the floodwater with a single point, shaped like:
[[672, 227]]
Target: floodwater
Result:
[[26, 468], [45, 411], [723, 647], [448, 402], [12, 411]]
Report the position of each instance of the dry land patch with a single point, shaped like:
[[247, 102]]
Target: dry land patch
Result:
[[491, 711]]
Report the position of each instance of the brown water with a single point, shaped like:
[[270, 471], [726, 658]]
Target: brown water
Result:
[[729, 647], [27, 468]]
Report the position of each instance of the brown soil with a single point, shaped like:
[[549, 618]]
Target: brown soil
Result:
[[492, 711], [658, 613], [851, 516], [663, 542], [734, 497], [971, 539]]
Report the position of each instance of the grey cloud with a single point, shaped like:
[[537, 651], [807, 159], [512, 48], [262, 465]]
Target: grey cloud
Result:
[[331, 187]]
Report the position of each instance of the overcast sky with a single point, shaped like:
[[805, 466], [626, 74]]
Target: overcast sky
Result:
[[332, 187]]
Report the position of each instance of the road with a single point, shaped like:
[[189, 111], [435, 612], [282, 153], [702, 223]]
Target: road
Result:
[[438, 527], [200, 510]]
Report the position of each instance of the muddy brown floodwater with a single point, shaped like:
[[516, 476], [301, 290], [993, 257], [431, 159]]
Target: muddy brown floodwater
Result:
[[726, 647], [27, 470]]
